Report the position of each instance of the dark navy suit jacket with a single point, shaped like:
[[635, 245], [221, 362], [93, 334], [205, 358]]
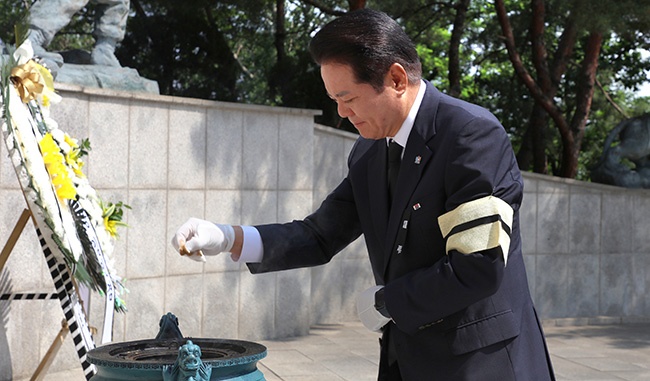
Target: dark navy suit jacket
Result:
[[456, 316]]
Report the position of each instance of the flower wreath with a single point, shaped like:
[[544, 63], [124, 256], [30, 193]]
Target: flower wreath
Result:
[[49, 165]]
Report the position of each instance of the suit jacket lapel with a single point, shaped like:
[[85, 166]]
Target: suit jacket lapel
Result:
[[417, 152], [414, 163], [415, 160]]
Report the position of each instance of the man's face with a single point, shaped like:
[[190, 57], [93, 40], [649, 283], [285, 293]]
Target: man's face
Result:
[[375, 114]]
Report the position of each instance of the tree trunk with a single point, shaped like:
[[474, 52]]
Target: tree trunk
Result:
[[532, 152], [279, 78], [584, 97], [356, 4], [454, 47]]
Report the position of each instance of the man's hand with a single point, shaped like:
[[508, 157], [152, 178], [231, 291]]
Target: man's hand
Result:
[[197, 238], [367, 310]]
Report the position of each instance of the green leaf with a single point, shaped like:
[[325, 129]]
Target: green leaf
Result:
[[21, 29]]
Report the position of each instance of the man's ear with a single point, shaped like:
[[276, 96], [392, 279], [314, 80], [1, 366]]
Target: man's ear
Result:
[[396, 78]]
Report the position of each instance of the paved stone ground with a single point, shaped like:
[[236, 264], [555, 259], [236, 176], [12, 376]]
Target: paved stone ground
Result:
[[348, 352], [600, 352]]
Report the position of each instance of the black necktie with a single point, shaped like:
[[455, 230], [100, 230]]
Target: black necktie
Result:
[[394, 160]]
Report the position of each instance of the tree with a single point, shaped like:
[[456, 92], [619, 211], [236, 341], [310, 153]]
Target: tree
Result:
[[187, 49], [582, 35], [454, 75], [562, 79]]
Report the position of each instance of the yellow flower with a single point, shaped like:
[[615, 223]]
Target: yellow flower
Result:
[[54, 162], [74, 164], [111, 226], [46, 75], [72, 142], [112, 214], [48, 95], [72, 152], [72, 158]]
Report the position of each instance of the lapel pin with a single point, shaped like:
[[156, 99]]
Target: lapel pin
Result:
[[418, 159]]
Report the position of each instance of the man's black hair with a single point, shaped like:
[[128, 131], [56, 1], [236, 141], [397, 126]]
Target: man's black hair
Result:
[[369, 42]]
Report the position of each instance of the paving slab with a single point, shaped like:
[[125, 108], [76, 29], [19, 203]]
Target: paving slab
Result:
[[600, 352]]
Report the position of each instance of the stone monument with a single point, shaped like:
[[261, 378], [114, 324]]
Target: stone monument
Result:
[[99, 68]]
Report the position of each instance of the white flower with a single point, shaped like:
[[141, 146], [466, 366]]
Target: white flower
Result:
[[49, 122], [24, 52]]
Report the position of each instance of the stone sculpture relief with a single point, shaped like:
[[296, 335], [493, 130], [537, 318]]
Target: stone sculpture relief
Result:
[[625, 160]]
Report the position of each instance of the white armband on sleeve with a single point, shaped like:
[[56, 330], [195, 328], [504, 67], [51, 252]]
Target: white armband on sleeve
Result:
[[252, 249], [478, 225]]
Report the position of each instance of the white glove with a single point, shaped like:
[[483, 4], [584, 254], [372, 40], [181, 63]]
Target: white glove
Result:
[[370, 317], [197, 238]]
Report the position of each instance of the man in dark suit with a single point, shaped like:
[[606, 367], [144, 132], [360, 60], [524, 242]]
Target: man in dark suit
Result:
[[442, 229]]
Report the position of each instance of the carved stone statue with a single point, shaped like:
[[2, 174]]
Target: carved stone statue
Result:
[[48, 17], [99, 68], [634, 146], [188, 365]]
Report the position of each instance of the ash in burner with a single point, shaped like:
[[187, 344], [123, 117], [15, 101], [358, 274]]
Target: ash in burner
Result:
[[165, 351]]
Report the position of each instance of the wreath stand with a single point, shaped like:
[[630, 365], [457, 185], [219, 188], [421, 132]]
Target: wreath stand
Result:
[[68, 295], [65, 229]]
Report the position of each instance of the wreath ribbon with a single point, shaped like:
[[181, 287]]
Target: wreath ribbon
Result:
[[28, 80]]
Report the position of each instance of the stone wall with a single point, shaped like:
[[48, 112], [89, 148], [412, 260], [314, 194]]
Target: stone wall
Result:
[[587, 250], [175, 158]]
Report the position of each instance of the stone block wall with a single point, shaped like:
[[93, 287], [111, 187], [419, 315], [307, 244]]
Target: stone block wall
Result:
[[171, 158], [587, 250]]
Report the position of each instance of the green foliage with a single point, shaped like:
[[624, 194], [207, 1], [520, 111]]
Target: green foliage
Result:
[[621, 69], [226, 50], [186, 49], [21, 28], [84, 148], [78, 33], [11, 14]]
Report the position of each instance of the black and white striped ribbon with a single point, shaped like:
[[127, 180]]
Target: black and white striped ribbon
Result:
[[72, 309], [91, 234], [29, 296]]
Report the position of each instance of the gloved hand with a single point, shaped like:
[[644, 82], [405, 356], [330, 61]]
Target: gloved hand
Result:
[[368, 313], [196, 238]]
